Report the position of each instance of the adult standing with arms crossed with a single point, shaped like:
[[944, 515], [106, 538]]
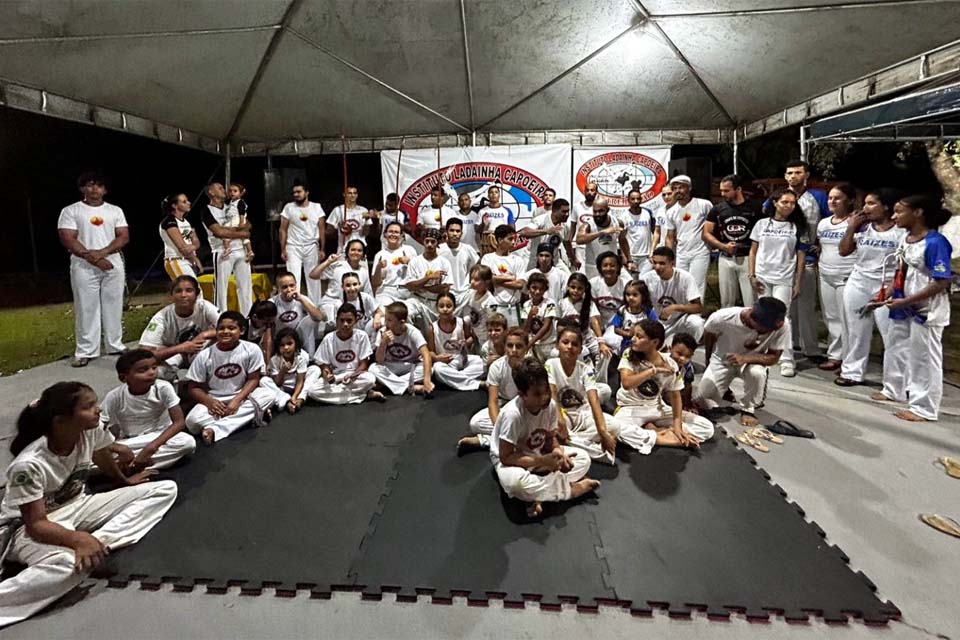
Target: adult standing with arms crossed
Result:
[[303, 228], [94, 232], [727, 229]]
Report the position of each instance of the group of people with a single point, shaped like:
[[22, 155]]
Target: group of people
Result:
[[548, 320]]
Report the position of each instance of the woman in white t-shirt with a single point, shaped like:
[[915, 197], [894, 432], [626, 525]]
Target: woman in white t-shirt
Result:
[[390, 266], [834, 271], [47, 520], [180, 242], [777, 252], [332, 270]]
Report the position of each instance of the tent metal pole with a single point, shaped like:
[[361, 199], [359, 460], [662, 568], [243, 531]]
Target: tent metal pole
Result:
[[803, 142], [736, 150], [226, 164]]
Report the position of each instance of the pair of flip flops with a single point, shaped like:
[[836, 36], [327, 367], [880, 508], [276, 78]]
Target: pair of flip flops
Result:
[[756, 436], [942, 524], [951, 466], [785, 428]]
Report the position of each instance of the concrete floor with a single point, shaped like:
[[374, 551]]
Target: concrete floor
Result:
[[863, 480]]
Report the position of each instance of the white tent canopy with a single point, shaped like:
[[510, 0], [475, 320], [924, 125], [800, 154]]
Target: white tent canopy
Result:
[[297, 75]]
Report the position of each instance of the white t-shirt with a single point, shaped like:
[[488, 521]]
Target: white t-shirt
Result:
[[300, 363], [470, 221], [430, 218], [448, 343], [500, 375], [545, 221], [343, 356], [508, 265], [928, 260], [225, 372], [170, 250], [572, 389], [38, 473], [873, 247], [302, 230], [96, 227], [776, 251], [461, 260], [366, 306], [387, 219], [648, 393], [216, 216], [405, 346], [557, 277], [679, 289], [735, 337], [167, 329], [290, 312], [479, 309], [421, 267], [333, 274], [495, 216], [600, 244], [128, 415], [832, 264], [568, 309], [546, 309], [356, 219], [395, 271], [608, 298], [688, 220], [530, 434], [639, 231]]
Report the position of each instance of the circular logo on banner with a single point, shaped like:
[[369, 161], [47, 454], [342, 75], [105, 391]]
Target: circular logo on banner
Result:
[[399, 351], [619, 172], [288, 316], [343, 357], [227, 371]]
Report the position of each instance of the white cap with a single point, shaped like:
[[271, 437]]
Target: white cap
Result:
[[681, 178]]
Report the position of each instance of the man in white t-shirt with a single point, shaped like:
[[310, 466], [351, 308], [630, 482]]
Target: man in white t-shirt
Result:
[[180, 330], [554, 224], [462, 258], [602, 233], [675, 295], [302, 229], [470, 219], [582, 213], [508, 273], [94, 232], [428, 275], [494, 214], [743, 342], [435, 214], [227, 257], [684, 224], [351, 220], [638, 223]]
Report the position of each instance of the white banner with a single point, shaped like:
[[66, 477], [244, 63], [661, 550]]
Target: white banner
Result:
[[618, 170], [524, 173]]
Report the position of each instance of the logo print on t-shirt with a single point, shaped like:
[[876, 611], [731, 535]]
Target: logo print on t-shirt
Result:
[[395, 261], [537, 439], [227, 371], [288, 316], [304, 217], [502, 268], [474, 316], [353, 225], [345, 356], [666, 301], [399, 351], [452, 345], [187, 334], [96, 221], [536, 323], [686, 217], [571, 399], [608, 302], [649, 388]]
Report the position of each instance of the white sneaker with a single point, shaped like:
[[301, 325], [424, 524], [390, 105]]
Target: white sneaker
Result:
[[788, 371]]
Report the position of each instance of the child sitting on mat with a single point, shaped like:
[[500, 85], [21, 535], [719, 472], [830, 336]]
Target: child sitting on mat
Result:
[[637, 306], [449, 339], [500, 389], [289, 374], [261, 326], [403, 363], [343, 358], [298, 312], [47, 520], [539, 315], [681, 351], [369, 314], [530, 462], [145, 414], [481, 305], [224, 381], [493, 348]]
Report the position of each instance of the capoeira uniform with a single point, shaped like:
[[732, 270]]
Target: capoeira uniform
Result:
[[735, 337], [557, 278], [776, 267], [422, 305], [600, 244], [470, 221], [394, 274], [464, 372], [402, 367], [493, 217], [356, 219], [874, 248], [609, 300], [343, 357], [167, 329], [508, 300], [116, 518], [479, 309], [138, 420], [834, 271], [224, 373], [803, 312], [572, 392], [927, 261], [499, 375], [283, 392], [545, 221], [533, 435], [681, 288], [333, 295], [639, 232], [97, 294], [546, 310], [366, 306], [175, 264], [659, 209], [590, 354], [461, 260], [581, 213], [733, 223], [644, 404], [291, 314], [303, 242], [429, 217], [227, 259], [693, 254]]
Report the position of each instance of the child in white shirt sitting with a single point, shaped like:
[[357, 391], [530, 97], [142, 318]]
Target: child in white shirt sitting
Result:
[[343, 357], [289, 375]]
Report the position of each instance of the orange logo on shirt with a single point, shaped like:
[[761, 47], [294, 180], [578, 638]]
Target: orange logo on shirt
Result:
[[686, 217], [395, 261], [304, 217], [437, 217], [96, 221], [502, 268]]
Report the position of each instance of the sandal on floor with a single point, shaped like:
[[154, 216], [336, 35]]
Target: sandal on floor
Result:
[[760, 432], [942, 524], [879, 396], [951, 465], [840, 381], [745, 438], [786, 428]]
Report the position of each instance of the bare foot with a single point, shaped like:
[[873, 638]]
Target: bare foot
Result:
[[667, 438], [376, 396], [909, 416], [417, 390], [207, 437], [581, 487], [534, 510], [879, 397], [748, 419]]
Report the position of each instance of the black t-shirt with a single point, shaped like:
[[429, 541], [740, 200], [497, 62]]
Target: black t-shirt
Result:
[[734, 222]]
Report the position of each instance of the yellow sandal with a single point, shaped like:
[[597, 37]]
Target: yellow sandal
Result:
[[942, 524], [950, 465], [764, 434], [746, 438]]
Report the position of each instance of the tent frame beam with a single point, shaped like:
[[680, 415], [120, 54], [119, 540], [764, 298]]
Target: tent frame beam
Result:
[[138, 36], [856, 4], [466, 61]]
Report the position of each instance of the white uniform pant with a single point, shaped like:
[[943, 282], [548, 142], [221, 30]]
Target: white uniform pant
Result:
[[387, 295], [97, 303], [639, 416], [643, 264], [925, 383], [309, 330], [803, 313], [716, 381], [831, 304], [234, 262], [398, 377], [482, 426], [117, 519], [421, 312], [251, 410], [895, 334], [353, 392], [179, 446], [696, 265], [543, 351], [687, 323], [465, 379], [584, 435], [783, 293], [612, 339], [282, 395], [301, 259], [519, 483], [734, 279]]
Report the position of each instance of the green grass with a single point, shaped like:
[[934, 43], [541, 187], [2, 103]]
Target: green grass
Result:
[[31, 336]]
